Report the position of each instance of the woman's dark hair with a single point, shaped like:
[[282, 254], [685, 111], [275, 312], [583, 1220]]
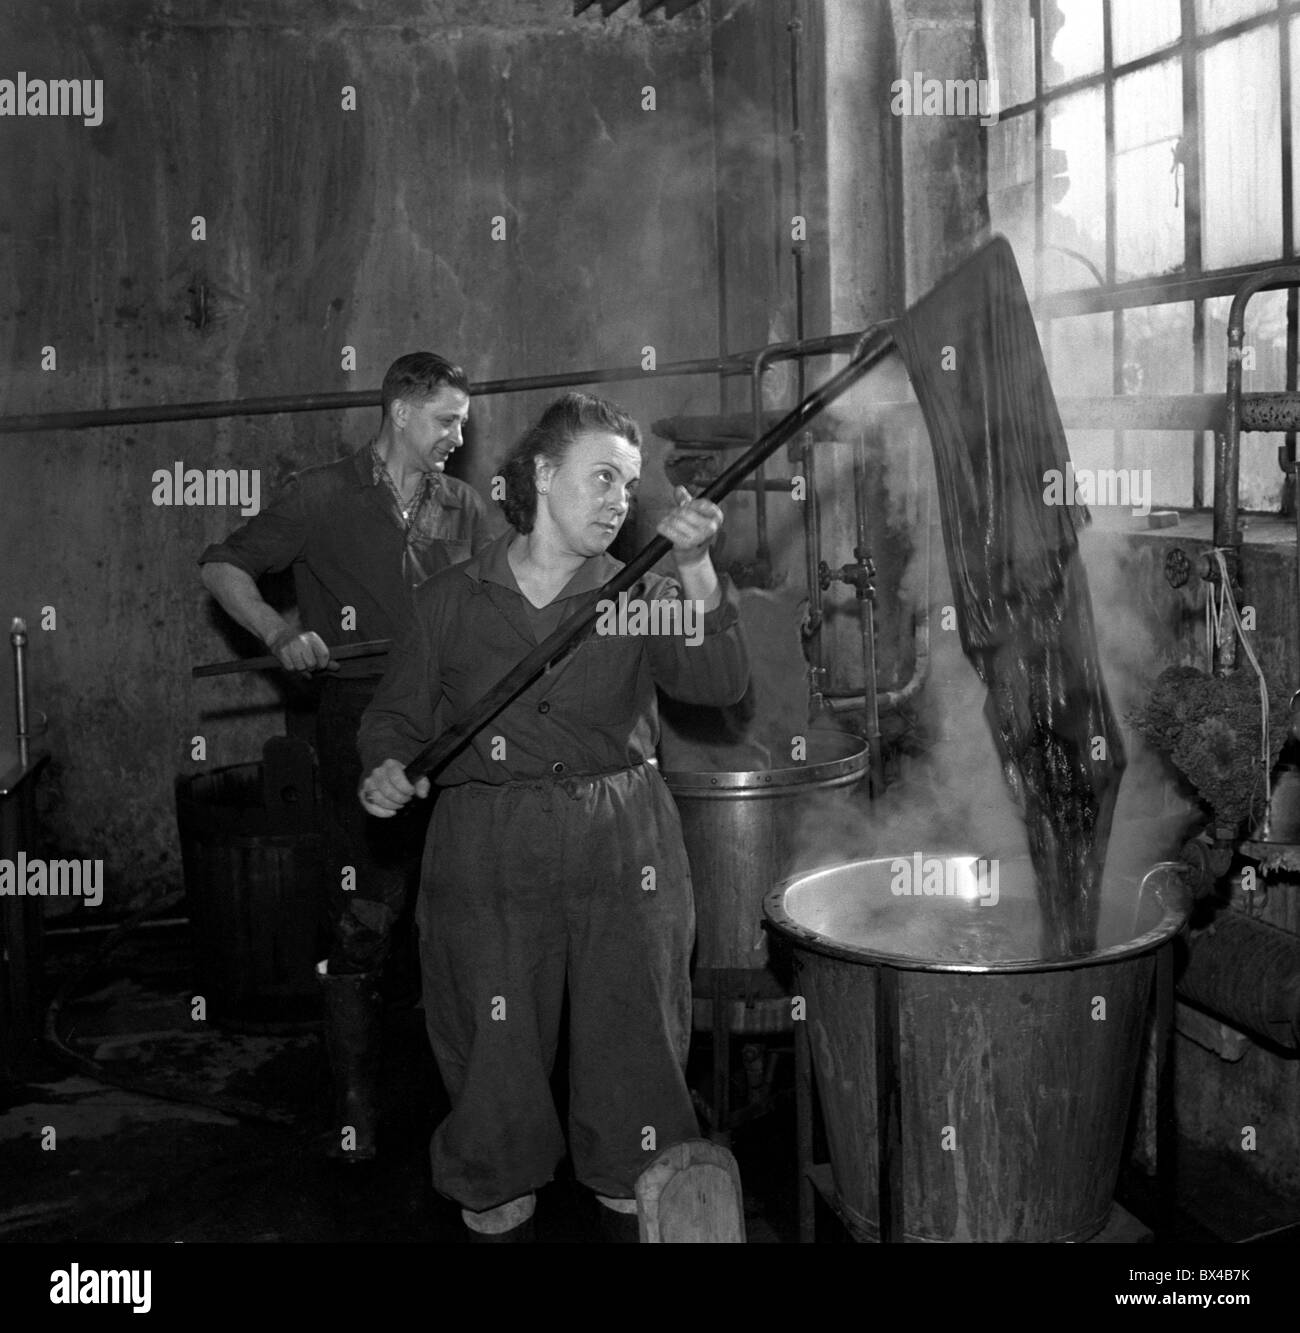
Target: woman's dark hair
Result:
[[550, 438], [417, 377]]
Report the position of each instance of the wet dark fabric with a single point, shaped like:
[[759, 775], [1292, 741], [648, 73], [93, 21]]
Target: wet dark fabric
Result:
[[1023, 608], [384, 853], [348, 544]]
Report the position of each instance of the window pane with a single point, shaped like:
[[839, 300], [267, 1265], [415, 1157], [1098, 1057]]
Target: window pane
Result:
[[1092, 449], [1082, 356], [1158, 361], [1263, 371], [1009, 40], [1158, 350], [1145, 26], [1071, 40], [1167, 457], [1075, 190], [1260, 479], [1148, 192], [1219, 13], [1263, 351], [1011, 188], [1241, 150]]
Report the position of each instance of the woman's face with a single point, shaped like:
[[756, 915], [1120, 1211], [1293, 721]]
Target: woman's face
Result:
[[582, 501]]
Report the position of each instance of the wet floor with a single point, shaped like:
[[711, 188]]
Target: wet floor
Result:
[[231, 1148]]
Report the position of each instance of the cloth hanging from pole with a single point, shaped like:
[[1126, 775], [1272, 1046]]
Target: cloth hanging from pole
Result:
[[1023, 608]]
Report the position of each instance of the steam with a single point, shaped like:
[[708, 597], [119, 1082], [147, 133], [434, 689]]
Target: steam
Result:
[[952, 798]]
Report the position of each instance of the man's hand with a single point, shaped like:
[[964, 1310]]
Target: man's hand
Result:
[[386, 790], [304, 651]]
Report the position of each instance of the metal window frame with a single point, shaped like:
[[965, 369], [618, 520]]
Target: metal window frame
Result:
[[1193, 283]]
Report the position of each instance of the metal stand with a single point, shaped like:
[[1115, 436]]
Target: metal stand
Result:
[[723, 989]]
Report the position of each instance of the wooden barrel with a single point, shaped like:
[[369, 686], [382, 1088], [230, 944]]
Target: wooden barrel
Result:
[[1016, 1074], [253, 866]]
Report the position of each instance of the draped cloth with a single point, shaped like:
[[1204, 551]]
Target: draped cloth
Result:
[[1023, 608]]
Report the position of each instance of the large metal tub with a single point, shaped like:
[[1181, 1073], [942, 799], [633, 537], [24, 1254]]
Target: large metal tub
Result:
[[1016, 1074], [741, 831]]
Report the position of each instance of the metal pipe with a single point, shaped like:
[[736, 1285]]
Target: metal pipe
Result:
[[18, 638], [797, 248], [812, 535], [873, 346], [1247, 973], [866, 611], [890, 701], [738, 364], [1227, 453], [760, 488], [759, 363]]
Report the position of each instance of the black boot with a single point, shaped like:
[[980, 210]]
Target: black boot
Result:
[[353, 1018]]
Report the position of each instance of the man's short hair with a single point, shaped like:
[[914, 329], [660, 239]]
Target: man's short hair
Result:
[[417, 377]]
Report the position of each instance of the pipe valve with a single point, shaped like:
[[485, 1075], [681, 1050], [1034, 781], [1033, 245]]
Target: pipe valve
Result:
[[857, 575]]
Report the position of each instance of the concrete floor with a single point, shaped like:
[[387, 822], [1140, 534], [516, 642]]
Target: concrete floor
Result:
[[88, 1161], [125, 1166]]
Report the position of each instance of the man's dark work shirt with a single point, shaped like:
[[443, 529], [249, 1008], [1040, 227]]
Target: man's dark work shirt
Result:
[[349, 546]]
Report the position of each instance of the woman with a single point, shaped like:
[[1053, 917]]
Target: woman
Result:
[[555, 853]]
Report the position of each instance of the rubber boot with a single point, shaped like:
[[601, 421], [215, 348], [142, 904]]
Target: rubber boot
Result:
[[353, 1020]]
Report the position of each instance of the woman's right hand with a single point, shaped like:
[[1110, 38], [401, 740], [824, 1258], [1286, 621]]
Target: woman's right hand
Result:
[[386, 790]]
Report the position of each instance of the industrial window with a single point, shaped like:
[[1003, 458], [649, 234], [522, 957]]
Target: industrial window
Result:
[[1141, 167]]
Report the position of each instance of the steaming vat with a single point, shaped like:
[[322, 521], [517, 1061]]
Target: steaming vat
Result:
[[1016, 1073], [740, 830]]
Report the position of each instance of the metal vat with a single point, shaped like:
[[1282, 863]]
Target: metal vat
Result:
[[1016, 1074], [741, 832]]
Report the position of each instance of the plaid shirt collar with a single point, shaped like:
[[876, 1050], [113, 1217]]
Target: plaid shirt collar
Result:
[[379, 475]]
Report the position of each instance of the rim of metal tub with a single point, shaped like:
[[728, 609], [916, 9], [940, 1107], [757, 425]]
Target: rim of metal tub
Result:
[[1164, 880], [849, 759]]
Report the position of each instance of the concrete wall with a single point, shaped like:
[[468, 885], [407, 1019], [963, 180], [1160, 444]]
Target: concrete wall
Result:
[[370, 228]]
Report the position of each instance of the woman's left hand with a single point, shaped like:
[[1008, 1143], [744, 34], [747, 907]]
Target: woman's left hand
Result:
[[691, 527]]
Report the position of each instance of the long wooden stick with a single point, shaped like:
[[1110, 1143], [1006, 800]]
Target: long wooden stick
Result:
[[372, 648], [874, 345]]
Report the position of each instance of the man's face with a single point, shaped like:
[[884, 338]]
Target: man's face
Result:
[[432, 430], [586, 497]]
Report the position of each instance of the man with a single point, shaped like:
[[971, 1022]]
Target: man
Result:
[[360, 533]]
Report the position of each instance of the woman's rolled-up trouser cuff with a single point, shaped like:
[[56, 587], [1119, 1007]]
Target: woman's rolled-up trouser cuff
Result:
[[504, 1217]]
